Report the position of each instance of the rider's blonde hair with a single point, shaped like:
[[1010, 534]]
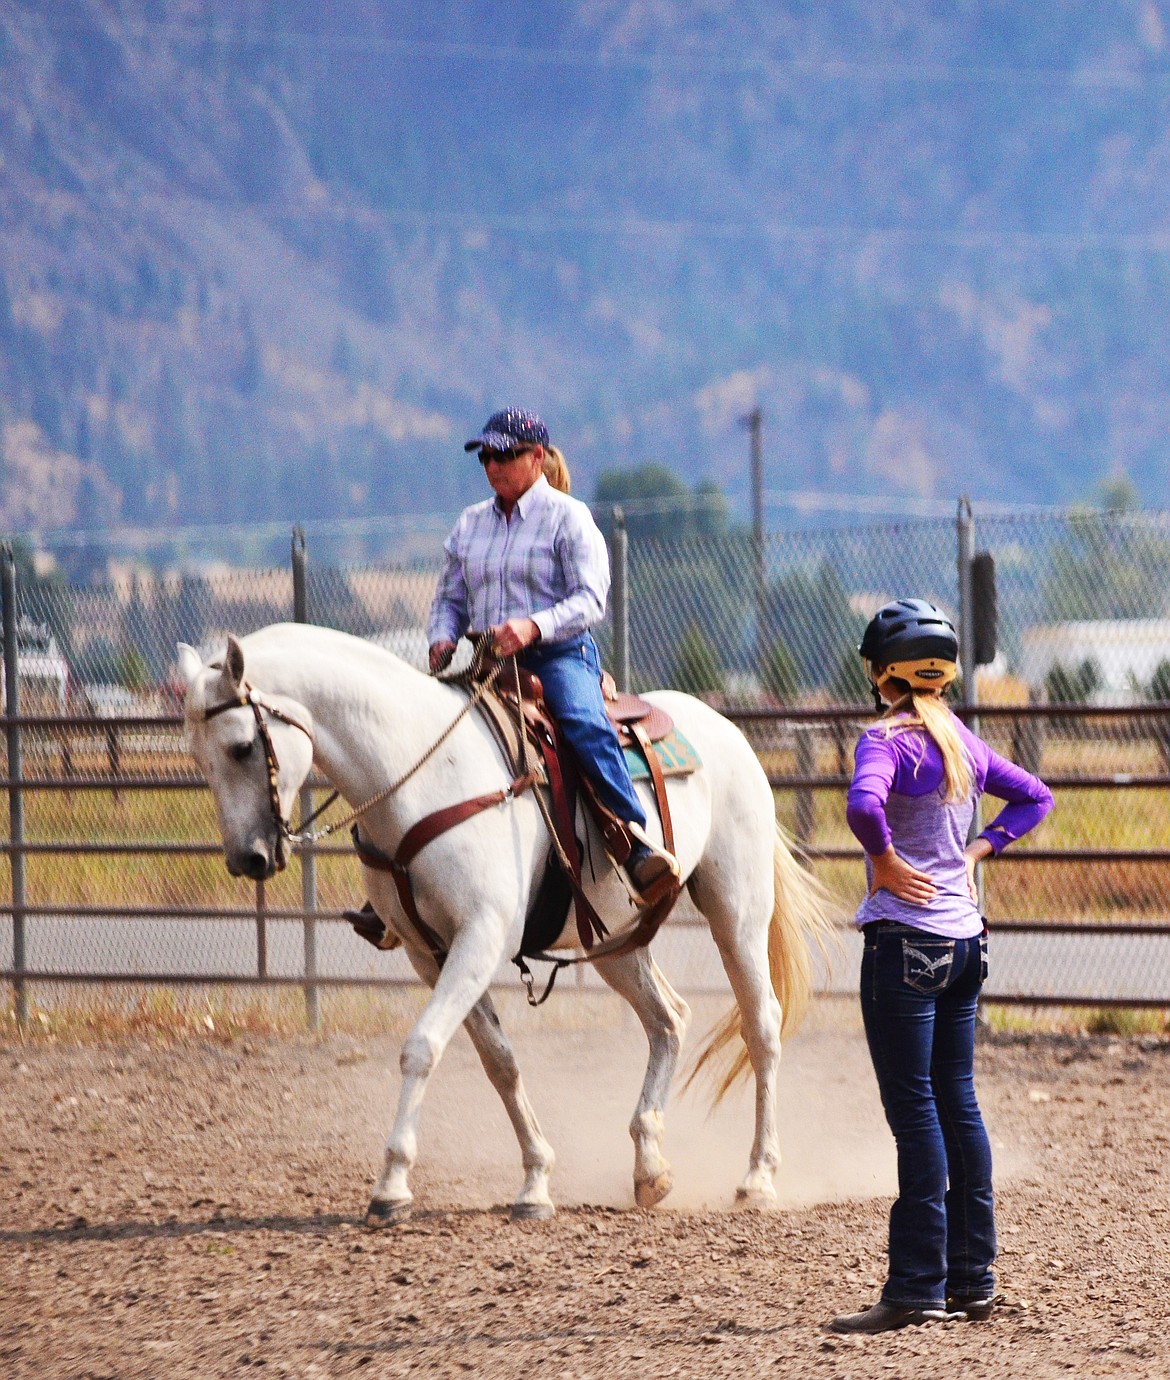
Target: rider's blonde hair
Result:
[[925, 709], [555, 469]]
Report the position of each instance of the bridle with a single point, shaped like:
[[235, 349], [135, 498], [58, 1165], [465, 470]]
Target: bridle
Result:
[[250, 698]]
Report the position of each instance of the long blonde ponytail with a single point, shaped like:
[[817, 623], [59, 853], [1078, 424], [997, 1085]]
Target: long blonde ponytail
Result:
[[556, 471], [929, 713]]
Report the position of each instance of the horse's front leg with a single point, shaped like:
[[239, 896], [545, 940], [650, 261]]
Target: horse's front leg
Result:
[[664, 1017], [475, 955], [533, 1203]]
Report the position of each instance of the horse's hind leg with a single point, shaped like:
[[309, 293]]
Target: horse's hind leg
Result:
[[664, 1016], [469, 967], [739, 920], [499, 1062]]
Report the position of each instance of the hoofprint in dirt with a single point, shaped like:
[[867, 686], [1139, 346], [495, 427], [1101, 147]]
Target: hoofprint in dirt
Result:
[[193, 1210]]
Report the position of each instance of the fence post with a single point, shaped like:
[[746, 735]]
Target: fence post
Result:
[[308, 852], [965, 531], [261, 933], [114, 757], [15, 794], [620, 590], [754, 422], [1028, 738]]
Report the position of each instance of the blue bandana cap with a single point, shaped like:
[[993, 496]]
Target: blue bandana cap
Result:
[[508, 429]]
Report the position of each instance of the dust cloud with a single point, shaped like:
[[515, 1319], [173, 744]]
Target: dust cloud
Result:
[[583, 1061]]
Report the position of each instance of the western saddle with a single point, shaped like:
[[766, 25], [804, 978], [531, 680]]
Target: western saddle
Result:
[[512, 704]]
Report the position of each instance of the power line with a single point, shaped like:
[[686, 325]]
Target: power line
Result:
[[698, 61], [896, 505], [634, 226], [196, 534]]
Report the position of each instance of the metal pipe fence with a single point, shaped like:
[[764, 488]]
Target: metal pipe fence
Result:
[[115, 875], [215, 917]]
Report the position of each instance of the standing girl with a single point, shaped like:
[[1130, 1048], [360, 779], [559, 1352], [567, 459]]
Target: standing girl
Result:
[[917, 778]]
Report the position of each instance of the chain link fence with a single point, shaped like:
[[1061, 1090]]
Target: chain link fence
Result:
[[119, 870]]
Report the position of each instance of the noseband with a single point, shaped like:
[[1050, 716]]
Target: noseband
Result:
[[249, 699]]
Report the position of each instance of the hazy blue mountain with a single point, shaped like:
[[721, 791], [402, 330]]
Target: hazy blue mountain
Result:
[[277, 259]]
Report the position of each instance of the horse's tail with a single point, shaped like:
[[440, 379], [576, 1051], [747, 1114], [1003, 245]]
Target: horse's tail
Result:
[[803, 916]]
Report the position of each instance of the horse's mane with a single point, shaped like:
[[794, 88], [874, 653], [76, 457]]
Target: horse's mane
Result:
[[277, 636]]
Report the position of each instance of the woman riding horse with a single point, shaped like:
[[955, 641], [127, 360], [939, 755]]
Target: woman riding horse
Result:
[[530, 566]]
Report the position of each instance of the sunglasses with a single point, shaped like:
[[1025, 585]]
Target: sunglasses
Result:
[[502, 457]]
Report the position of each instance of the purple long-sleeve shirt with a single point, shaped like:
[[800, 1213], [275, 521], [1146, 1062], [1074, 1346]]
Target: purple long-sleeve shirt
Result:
[[896, 797]]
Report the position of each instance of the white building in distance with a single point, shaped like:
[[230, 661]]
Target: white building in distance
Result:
[[1127, 652]]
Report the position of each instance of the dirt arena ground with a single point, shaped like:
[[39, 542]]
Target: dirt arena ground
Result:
[[193, 1209]]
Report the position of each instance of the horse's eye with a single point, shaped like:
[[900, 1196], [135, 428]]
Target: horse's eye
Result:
[[242, 751]]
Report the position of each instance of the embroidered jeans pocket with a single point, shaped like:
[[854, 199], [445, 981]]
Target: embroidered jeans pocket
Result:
[[927, 963]]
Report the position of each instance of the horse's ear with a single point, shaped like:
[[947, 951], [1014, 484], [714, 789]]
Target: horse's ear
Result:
[[190, 662], [233, 663]]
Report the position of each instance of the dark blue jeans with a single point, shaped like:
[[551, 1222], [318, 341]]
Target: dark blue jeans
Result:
[[571, 674], [918, 998]]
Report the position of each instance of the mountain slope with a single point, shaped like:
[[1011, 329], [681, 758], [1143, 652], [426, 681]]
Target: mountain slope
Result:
[[267, 261]]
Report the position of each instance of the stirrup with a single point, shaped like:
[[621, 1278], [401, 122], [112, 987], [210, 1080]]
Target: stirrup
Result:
[[370, 926], [656, 848]]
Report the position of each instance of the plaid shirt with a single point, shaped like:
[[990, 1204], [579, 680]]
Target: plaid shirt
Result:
[[548, 564]]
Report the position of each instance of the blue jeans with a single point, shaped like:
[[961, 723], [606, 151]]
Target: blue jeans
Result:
[[918, 998], [571, 674]]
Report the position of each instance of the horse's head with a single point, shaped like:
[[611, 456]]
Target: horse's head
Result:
[[255, 750]]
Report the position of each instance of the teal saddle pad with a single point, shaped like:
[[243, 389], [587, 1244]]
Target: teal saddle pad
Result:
[[675, 752]]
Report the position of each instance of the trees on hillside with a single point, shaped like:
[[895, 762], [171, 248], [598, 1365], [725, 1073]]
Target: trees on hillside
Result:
[[1114, 563], [685, 576], [658, 505], [692, 577], [807, 611]]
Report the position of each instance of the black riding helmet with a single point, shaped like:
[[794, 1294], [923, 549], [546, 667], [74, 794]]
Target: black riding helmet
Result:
[[914, 645], [909, 630]]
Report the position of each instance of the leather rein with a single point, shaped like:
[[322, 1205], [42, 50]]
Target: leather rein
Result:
[[599, 944]]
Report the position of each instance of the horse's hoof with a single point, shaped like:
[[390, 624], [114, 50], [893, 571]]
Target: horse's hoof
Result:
[[756, 1199], [532, 1212], [384, 1213], [650, 1192]]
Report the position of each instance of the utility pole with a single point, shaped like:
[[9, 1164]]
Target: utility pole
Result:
[[965, 532], [754, 422], [308, 853]]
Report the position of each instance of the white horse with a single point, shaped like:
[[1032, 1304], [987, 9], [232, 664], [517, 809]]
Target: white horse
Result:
[[365, 717]]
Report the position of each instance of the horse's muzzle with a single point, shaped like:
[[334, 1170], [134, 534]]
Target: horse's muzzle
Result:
[[258, 866], [259, 862]]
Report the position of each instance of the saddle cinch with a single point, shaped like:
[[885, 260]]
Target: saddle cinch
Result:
[[511, 701]]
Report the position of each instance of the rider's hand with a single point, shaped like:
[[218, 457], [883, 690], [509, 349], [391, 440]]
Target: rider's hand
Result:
[[609, 688], [439, 655], [895, 875], [513, 636]]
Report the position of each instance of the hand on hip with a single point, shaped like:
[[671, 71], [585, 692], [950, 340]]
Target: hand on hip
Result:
[[901, 879]]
